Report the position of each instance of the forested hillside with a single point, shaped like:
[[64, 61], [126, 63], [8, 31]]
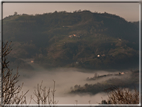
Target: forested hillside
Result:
[[80, 39]]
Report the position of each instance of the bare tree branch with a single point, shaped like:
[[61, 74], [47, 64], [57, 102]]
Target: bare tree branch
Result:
[[10, 91]]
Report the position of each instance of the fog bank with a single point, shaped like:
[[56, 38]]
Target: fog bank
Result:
[[64, 79]]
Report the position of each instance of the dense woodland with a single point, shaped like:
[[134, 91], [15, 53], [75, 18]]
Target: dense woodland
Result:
[[63, 39]]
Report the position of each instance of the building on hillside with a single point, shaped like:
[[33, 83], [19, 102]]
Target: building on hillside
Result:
[[32, 61], [121, 73], [98, 56], [70, 36], [74, 35]]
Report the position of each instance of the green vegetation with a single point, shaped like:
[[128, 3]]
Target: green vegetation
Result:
[[63, 39]]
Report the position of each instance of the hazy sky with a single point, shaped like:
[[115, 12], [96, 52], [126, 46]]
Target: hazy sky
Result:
[[129, 11]]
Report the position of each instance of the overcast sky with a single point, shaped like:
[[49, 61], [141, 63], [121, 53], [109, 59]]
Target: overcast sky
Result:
[[129, 11]]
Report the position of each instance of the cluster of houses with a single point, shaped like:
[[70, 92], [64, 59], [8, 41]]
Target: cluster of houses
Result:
[[121, 73], [73, 35], [100, 76]]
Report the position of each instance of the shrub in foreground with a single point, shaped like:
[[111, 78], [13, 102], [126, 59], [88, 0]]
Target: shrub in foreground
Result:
[[122, 96]]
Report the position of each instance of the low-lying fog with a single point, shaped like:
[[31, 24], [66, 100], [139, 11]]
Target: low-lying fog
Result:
[[65, 78]]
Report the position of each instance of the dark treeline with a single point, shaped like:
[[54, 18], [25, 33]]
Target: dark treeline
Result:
[[113, 83]]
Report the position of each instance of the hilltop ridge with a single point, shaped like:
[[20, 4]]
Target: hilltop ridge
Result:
[[63, 39]]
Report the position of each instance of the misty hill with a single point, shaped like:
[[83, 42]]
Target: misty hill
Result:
[[108, 85], [131, 82], [63, 39]]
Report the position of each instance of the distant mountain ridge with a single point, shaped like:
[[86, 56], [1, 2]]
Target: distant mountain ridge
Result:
[[63, 39]]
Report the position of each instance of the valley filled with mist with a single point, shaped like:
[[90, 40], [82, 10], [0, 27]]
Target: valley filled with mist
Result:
[[85, 53], [73, 84]]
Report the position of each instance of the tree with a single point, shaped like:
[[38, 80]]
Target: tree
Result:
[[44, 95], [15, 13], [11, 93], [122, 96]]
